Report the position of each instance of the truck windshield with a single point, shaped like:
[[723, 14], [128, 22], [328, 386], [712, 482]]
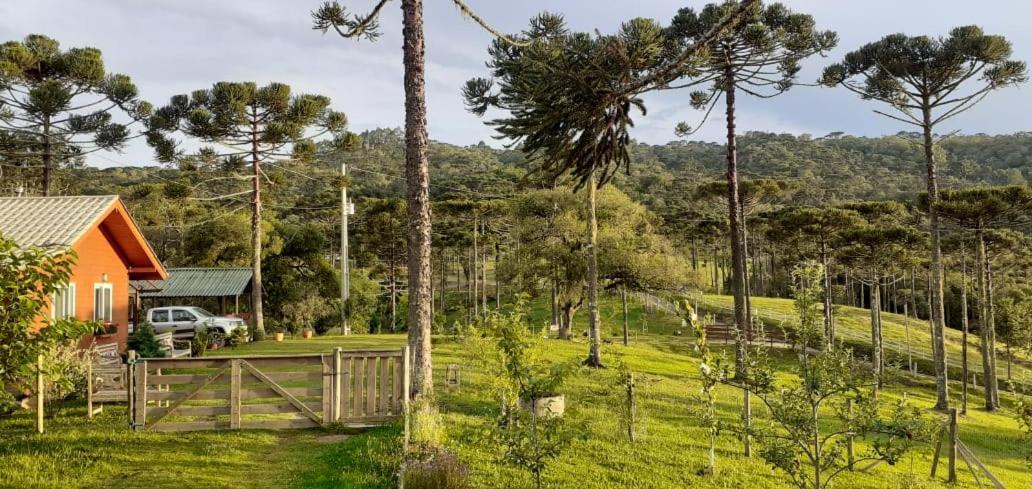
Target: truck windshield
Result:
[[202, 312]]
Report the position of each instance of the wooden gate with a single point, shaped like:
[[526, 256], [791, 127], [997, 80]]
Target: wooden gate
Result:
[[355, 388]]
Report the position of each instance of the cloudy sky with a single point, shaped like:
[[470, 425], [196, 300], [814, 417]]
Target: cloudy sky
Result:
[[175, 46]]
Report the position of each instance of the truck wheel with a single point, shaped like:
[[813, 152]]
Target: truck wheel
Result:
[[217, 336]]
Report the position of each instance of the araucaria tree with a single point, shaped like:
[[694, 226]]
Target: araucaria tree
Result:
[[332, 15], [247, 124], [815, 230], [59, 105], [927, 81], [759, 55], [981, 210]]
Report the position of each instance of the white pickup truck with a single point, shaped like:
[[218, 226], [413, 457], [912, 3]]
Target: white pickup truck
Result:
[[183, 321]]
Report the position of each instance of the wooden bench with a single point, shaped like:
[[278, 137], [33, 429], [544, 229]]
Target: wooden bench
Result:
[[107, 379], [168, 345]]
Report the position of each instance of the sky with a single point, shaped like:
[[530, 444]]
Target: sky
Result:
[[175, 46]]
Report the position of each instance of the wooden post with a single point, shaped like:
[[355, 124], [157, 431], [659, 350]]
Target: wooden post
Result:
[[632, 406], [335, 396], [234, 394], [952, 447], [130, 386], [849, 439], [406, 386], [89, 390], [39, 393], [140, 404]]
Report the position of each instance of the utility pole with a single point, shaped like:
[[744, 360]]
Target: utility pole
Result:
[[345, 279]]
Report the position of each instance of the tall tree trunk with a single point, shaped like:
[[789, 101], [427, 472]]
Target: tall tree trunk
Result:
[[417, 179], [988, 372], [964, 326], [476, 272], [256, 238], [498, 283], [483, 269], [594, 335], [942, 398], [829, 325], [623, 298], [555, 299], [48, 157], [876, 344], [990, 304], [695, 255], [738, 283]]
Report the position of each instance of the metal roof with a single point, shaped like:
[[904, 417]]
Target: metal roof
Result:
[[197, 282], [51, 221]]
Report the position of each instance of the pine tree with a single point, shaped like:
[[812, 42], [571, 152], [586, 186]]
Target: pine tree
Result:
[[927, 81], [57, 106], [247, 125]]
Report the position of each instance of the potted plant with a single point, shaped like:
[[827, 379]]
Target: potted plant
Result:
[[104, 329], [277, 331], [306, 333]]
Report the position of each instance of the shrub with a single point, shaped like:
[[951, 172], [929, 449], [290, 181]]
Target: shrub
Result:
[[65, 371], [439, 469], [237, 337], [199, 344], [142, 340]]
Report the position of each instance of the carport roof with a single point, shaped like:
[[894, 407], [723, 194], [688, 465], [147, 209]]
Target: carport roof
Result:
[[197, 282]]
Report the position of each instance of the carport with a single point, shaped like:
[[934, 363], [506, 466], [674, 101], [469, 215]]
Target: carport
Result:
[[220, 284]]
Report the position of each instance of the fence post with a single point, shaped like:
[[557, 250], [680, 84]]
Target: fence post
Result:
[[406, 385], [849, 438], [952, 447], [39, 393], [130, 386], [89, 389], [140, 404], [234, 394], [335, 397]]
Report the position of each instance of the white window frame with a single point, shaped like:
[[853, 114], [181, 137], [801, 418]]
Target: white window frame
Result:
[[108, 297], [65, 298]]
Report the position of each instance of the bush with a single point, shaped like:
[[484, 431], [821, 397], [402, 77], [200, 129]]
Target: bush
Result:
[[142, 340], [65, 371], [199, 344], [237, 337], [439, 469]]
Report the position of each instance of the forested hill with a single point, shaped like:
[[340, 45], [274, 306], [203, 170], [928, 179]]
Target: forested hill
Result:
[[827, 169]]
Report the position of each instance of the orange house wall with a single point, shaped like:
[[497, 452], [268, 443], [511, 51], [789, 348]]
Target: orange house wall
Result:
[[97, 256]]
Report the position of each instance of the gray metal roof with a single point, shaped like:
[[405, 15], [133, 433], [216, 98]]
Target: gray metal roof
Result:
[[197, 282], [50, 221]]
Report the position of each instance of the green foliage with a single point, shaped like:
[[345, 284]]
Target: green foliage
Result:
[[65, 371], [807, 293], [199, 343], [142, 340], [237, 337], [28, 279], [58, 104], [502, 345], [807, 446]]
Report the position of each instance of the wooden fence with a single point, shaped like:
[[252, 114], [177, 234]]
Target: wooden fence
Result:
[[353, 388]]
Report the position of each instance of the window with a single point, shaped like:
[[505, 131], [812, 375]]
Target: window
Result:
[[160, 316], [179, 315], [63, 303], [102, 302]]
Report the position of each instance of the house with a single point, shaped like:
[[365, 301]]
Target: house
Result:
[[110, 247]]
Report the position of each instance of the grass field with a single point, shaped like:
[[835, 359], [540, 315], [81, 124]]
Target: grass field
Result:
[[855, 324], [80, 453]]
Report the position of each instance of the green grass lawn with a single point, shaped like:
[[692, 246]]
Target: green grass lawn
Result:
[[855, 324], [76, 452]]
